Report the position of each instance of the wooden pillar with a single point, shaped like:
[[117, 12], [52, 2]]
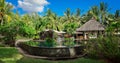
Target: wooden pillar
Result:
[[76, 38], [85, 36]]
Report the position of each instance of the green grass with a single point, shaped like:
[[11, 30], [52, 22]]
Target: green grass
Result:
[[79, 60], [11, 55]]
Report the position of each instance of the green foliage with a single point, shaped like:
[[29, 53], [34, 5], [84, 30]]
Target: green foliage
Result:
[[71, 27], [14, 28], [48, 43], [114, 27], [30, 24], [107, 47], [17, 27], [69, 42], [32, 43], [5, 12]]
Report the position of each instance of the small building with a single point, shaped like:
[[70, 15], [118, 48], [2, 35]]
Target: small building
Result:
[[58, 36], [49, 33], [91, 29]]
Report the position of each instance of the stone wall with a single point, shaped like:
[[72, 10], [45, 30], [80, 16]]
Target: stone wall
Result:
[[52, 52]]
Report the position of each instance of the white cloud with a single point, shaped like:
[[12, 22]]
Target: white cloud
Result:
[[32, 5]]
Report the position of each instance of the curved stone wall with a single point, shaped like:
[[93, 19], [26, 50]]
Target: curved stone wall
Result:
[[61, 52]]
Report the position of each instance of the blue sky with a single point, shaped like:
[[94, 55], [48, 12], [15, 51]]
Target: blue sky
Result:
[[59, 6]]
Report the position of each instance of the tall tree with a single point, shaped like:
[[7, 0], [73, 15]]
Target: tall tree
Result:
[[103, 12], [78, 12], [117, 14], [5, 11], [94, 11], [100, 13], [52, 21], [71, 21]]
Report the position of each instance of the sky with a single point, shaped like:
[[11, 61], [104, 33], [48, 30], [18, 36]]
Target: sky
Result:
[[59, 6]]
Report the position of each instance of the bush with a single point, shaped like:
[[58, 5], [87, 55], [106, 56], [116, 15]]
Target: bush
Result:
[[105, 47], [14, 28], [32, 43], [48, 43], [69, 42]]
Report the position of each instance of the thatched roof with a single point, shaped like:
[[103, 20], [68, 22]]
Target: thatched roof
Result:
[[91, 25]]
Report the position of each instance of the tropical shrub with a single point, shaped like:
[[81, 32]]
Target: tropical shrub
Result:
[[107, 47], [48, 43], [32, 43], [14, 28], [69, 42], [71, 27]]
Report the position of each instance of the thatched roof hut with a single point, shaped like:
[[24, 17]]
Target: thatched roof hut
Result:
[[91, 29], [91, 25]]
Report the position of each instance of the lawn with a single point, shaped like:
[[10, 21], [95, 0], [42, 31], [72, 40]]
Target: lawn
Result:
[[11, 55]]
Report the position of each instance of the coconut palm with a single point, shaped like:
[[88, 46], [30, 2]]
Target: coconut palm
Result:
[[100, 13], [71, 21], [85, 17], [5, 11], [52, 21], [78, 12], [94, 11], [68, 15], [77, 16], [117, 20], [117, 14], [103, 12]]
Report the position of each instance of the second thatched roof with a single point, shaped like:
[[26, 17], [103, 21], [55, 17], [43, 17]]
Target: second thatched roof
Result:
[[91, 25]]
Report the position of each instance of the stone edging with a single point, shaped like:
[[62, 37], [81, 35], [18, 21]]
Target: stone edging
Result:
[[43, 57]]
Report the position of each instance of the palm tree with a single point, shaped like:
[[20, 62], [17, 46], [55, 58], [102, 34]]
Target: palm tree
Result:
[[95, 12], [86, 17], [52, 21], [77, 16], [67, 15], [100, 13], [103, 12], [78, 12], [5, 11], [114, 22], [117, 14], [117, 20], [71, 21]]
